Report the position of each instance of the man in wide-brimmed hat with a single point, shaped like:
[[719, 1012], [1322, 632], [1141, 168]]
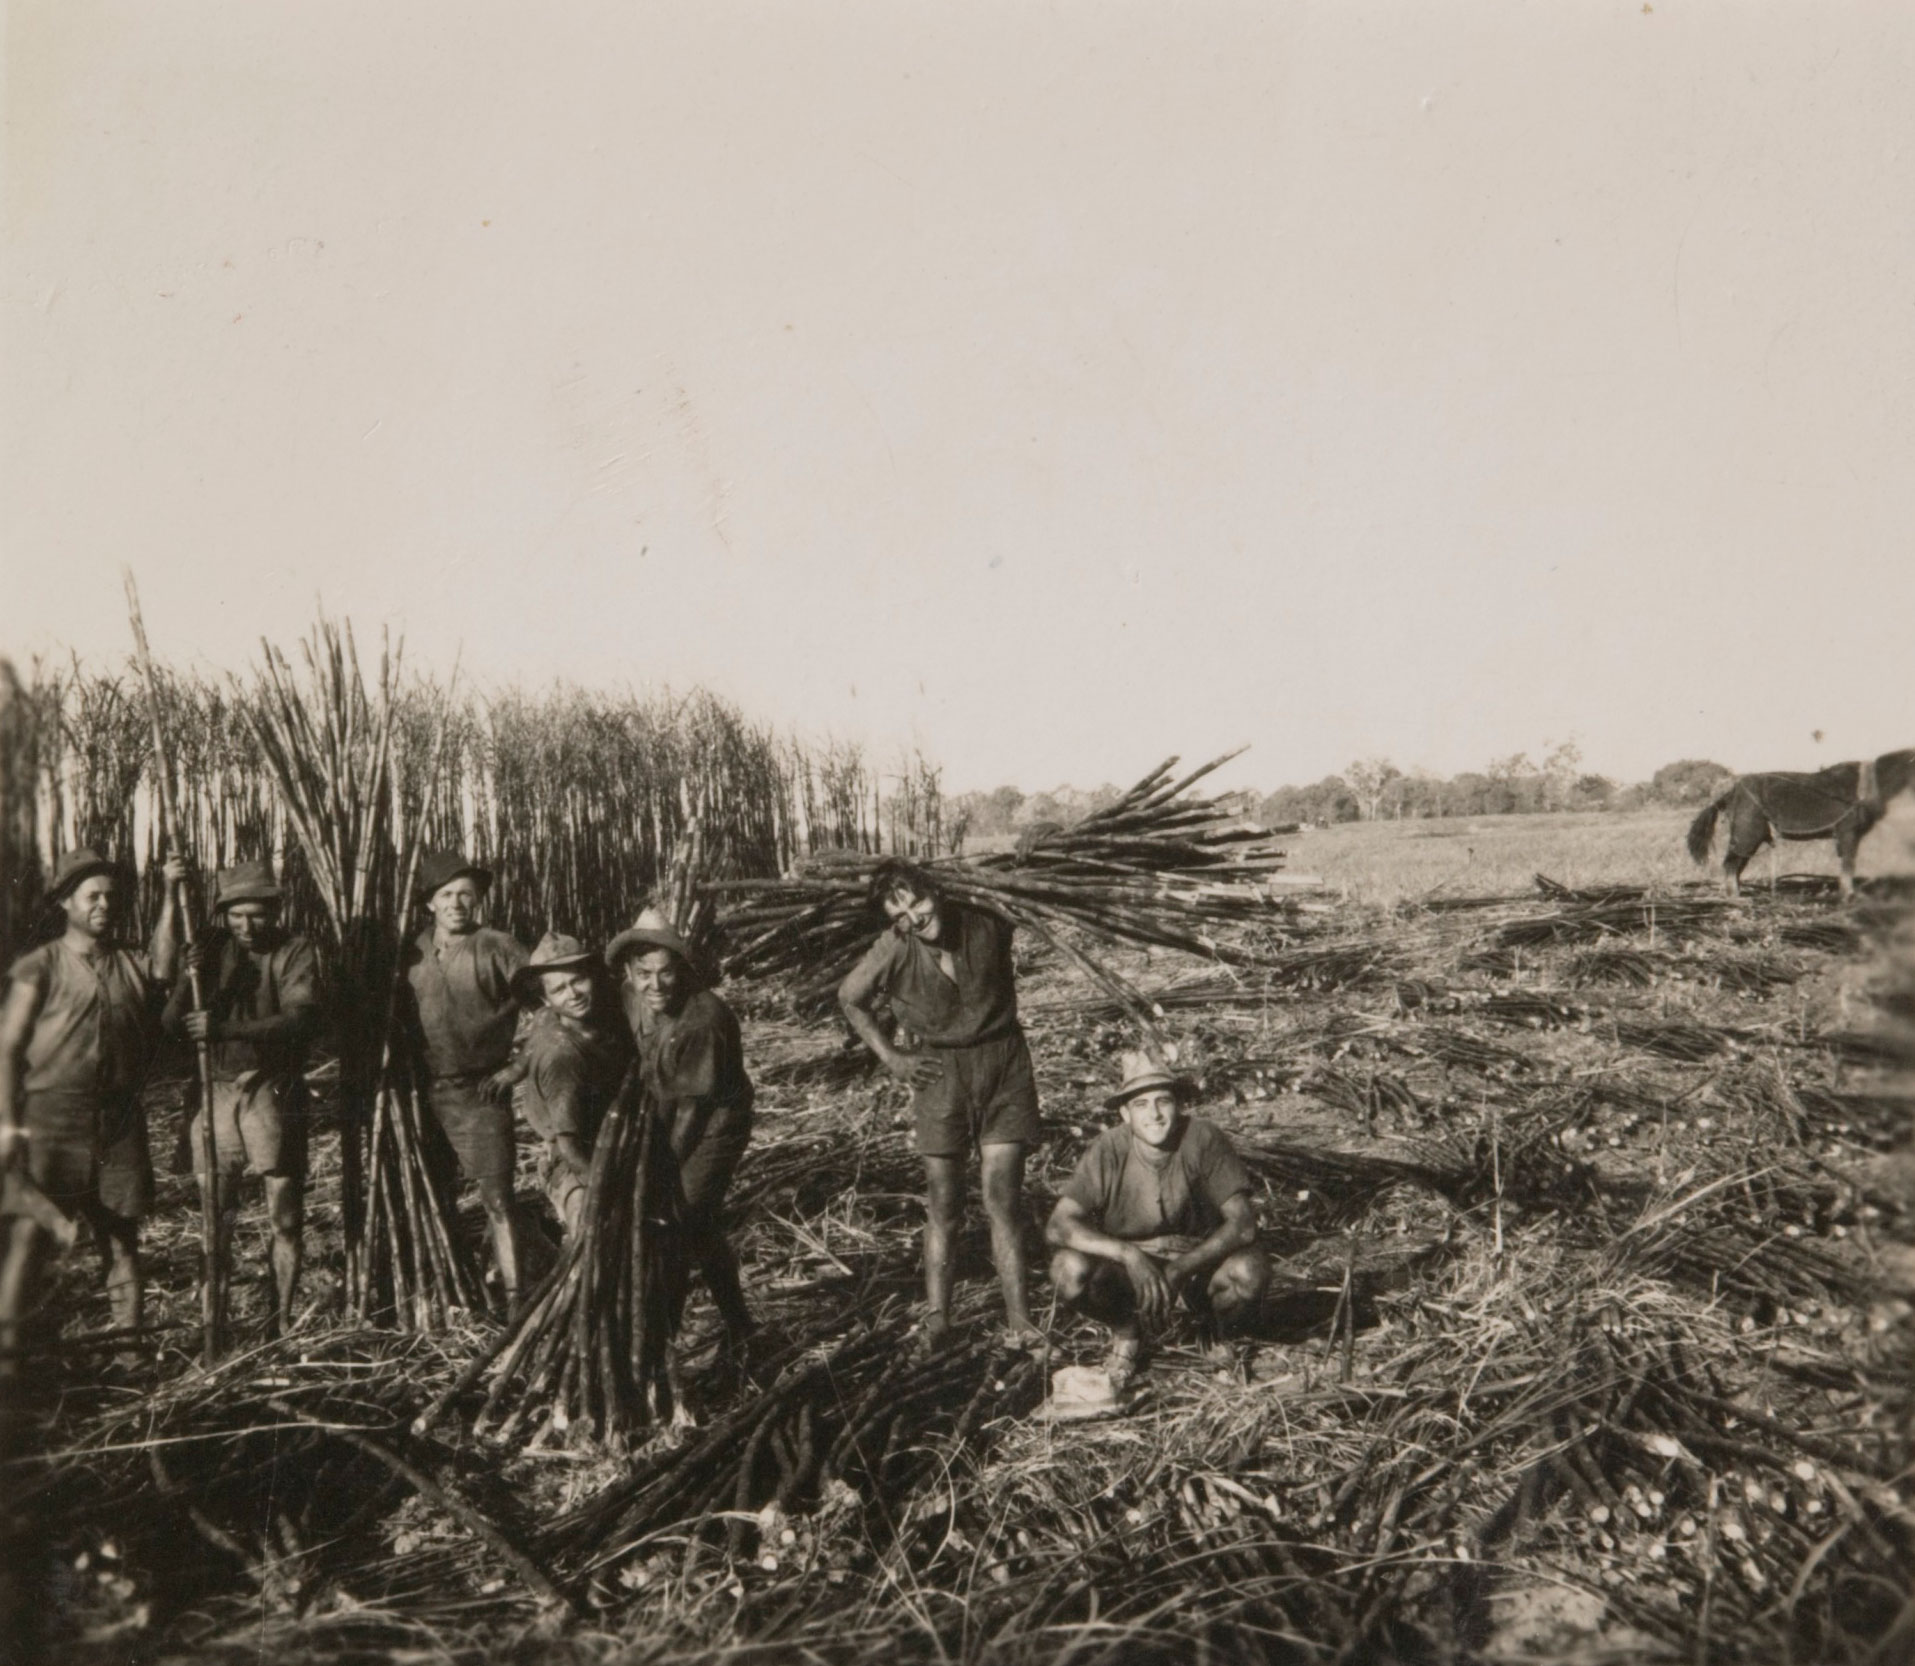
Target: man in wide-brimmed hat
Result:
[[574, 1054], [262, 1012], [76, 1037], [945, 970], [459, 978], [693, 1058], [1157, 1209]]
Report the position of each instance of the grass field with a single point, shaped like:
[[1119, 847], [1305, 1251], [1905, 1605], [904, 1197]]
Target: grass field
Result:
[[1589, 1339], [1391, 861]]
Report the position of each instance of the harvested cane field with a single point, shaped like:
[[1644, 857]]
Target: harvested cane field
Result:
[[1589, 1340]]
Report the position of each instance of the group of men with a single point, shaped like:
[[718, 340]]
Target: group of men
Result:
[[1157, 1210]]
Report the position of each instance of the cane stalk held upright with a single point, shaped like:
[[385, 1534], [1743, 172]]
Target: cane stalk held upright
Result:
[[212, 1272]]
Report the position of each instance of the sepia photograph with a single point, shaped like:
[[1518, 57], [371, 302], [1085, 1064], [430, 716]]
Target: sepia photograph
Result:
[[1015, 833]]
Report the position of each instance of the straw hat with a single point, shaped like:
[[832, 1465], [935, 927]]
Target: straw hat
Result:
[[651, 930], [1144, 1073], [244, 882], [73, 868], [439, 868], [556, 953]]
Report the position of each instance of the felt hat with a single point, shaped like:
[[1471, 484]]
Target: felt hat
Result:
[[556, 953], [244, 882], [75, 866], [439, 868], [651, 930], [1144, 1073]]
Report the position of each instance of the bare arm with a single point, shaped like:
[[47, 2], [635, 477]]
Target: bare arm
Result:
[[1070, 1228], [23, 1004], [855, 995], [164, 950], [1236, 1231]]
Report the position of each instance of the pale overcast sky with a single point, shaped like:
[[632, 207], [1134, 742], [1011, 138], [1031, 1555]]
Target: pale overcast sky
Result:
[[1053, 386]]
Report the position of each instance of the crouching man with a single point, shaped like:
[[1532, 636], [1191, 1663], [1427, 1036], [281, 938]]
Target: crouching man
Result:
[[1158, 1210], [262, 998]]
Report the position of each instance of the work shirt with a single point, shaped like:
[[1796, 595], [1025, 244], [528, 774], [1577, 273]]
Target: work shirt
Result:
[[98, 1013], [694, 1059], [572, 1073], [462, 999], [980, 1005], [265, 1006], [1179, 1194]]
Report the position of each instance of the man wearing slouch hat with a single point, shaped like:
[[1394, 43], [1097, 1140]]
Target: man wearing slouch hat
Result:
[[573, 1053], [262, 1012], [1157, 1209], [693, 1059], [76, 1038], [459, 980]]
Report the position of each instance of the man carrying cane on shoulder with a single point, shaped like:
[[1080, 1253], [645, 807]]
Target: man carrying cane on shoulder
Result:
[[76, 1038], [945, 968], [262, 1009]]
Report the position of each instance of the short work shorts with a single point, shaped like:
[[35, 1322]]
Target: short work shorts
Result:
[[88, 1152], [985, 1095], [480, 1133], [259, 1127]]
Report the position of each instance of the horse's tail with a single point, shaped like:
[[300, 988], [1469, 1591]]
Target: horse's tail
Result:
[[1702, 830]]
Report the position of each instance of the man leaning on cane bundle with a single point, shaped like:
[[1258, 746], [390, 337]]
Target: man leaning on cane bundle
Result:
[[574, 1055], [693, 1059], [262, 1011], [459, 976], [76, 1037]]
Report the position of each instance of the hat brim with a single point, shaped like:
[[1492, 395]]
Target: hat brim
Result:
[[252, 893], [481, 876], [73, 881], [639, 938], [525, 981], [1182, 1086]]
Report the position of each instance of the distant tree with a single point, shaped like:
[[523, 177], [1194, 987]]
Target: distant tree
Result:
[[1329, 800], [1369, 779], [1592, 792], [1689, 782], [1560, 772]]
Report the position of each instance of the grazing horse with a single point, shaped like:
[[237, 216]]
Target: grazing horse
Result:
[[1841, 803]]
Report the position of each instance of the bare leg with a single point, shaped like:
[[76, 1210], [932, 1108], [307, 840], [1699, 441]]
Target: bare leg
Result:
[[25, 1255], [943, 1209], [1003, 1184], [1846, 845], [125, 1280], [286, 1215], [500, 1216]]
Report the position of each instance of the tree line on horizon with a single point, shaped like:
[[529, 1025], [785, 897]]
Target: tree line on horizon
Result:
[[1375, 789]]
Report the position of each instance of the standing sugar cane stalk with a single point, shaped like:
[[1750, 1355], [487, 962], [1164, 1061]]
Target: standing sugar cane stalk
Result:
[[212, 1275], [76, 1036]]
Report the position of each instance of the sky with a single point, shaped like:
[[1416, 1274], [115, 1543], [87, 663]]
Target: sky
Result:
[[1050, 387]]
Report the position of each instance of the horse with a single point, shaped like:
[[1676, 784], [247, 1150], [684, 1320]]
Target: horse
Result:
[[1841, 803]]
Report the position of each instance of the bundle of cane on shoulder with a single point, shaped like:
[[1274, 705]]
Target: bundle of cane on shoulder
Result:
[[337, 753], [1160, 868]]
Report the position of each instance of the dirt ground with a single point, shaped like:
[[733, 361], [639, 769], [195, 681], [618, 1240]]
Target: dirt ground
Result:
[[1593, 1221]]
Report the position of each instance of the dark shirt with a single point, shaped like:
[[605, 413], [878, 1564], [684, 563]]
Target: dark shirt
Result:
[[981, 1005], [97, 1019], [462, 1000], [694, 1059], [1130, 1197], [265, 1006], [572, 1073]]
